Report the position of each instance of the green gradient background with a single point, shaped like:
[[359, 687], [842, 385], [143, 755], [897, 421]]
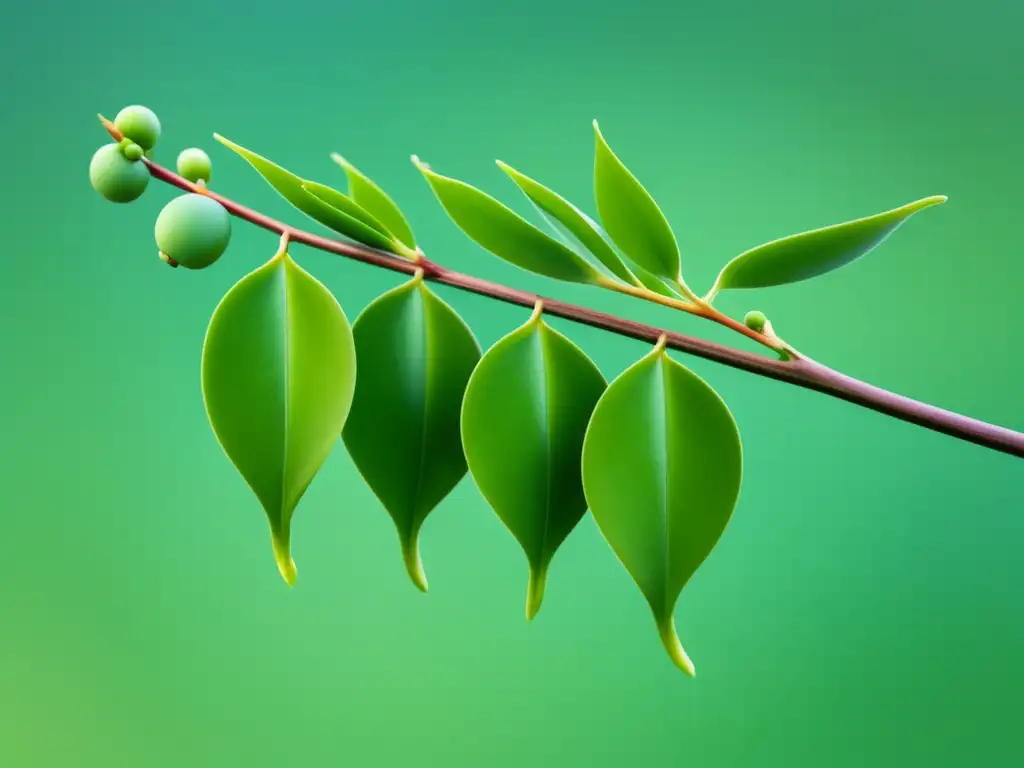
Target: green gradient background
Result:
[[864, 607]]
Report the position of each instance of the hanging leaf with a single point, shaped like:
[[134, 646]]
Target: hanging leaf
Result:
[[661, 468], [415, 358], [278, 375], [505, 233], [631, 217], [373, 199], [577, 225], [523, 420], [290, 187], [809, 254]]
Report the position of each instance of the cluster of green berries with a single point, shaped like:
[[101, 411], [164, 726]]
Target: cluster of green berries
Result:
[[192, 230]]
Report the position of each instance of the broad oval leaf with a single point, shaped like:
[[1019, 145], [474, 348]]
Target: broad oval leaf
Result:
[[631, 217], [375, 200], [415, 358], [575, 222], [291, 188], [809, 254], [662, 464], [523, 420], [505, 233], [278, 374]]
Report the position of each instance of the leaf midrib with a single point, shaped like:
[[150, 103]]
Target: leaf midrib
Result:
[[286, 368], [545, 393], [416, 499]]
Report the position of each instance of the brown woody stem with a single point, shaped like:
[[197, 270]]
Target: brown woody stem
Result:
[[799, 371]]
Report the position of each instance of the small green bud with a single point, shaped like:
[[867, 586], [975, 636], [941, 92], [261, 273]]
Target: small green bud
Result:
[[116, 177], [195, 165], [755, 321], [140, 125], [133, 151], [193, 231]]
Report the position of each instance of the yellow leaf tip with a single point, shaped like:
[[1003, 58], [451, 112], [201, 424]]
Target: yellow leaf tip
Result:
[[535, 591], [283, 556], [669, 638], [413, 562]]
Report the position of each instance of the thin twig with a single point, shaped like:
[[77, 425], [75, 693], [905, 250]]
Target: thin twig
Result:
[[801, 372]]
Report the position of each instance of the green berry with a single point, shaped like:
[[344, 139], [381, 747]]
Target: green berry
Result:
[[133, 152], [194, 164], [755, 320], [193, 230], [140, 125], [116, 177]]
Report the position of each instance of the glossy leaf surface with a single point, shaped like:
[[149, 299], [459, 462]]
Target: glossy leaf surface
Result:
[[342, 202], [375, 200], [809, 254], [631, 217], [290, 187], [523, 420], [415, 358], [505, 233], [661, 468], [575, 224], [278, 375]]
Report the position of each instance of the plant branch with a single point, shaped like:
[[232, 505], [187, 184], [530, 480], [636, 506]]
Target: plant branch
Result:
[[799, 371]]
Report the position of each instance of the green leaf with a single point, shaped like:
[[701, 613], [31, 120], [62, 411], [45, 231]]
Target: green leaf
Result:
[[373, 199], [575, 222], [505, 233], [661, 468], [809, 254], [631, 217], [655, 284], [415, 358], [290, 187], [523, 420], [278, 376], [344, 204]]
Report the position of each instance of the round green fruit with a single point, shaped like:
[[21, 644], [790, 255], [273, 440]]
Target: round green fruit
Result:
[[755, 321], [195, 165], [140, 125], [193, 230], [116, 177], [133, 151]]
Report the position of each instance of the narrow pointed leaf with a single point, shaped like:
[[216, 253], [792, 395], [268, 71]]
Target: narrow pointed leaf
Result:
[[415, 358], [376, 201], [505, 233], [278, 374], [661, 468], [342, 202], [809, 254], [523, 420], [290, 187], [581, 228], [631, 217]]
